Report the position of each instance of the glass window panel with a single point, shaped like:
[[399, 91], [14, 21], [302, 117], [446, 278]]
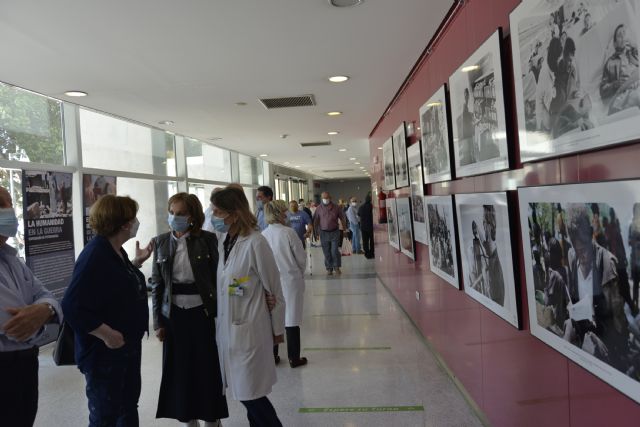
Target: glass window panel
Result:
[[250, 169], [11, 179], [30, 127], [206, 161], [112, 143], [203, 191]]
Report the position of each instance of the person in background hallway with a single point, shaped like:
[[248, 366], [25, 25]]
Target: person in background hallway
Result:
[[304, 207], [365, 213], [184, 292], [292, 261], [326, 223], [354, 225], [300, 222], [106, 306], [246, 330], [25, 307], [264, 194]]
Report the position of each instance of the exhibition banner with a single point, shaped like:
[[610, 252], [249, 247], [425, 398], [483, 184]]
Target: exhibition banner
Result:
[[94, 187]]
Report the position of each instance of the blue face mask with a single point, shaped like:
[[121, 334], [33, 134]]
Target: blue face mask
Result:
[[259, 204], [178, 223], [8, 222], [219, 225]]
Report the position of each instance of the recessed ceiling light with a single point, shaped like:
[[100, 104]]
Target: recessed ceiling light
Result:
[[297, 166], [361, 167], [356, 163], [263, 155], [170, 133], [352, 158], [379, 148], [76, 93], [166, 122], [345, 3], [338, 79], [470, 68], [334, 113], [333, 132], [342, 149], [241, 104]]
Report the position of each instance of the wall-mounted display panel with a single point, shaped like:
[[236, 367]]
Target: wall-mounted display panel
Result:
[[400, 156], [434, 125]]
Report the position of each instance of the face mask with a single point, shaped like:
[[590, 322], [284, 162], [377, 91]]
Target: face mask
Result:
[[354, 204], [8, 222], [178, 223], [325, 201], [219, 225], [259, 204], [134, 228]]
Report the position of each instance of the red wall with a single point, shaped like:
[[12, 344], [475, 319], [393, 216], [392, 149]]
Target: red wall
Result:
[[513, 377]]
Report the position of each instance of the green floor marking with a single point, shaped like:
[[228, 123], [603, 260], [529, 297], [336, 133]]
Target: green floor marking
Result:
[[363, 409], [344, 348]]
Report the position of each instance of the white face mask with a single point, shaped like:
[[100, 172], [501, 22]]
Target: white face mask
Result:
[[134, 228], [354, 204], [325, 201]]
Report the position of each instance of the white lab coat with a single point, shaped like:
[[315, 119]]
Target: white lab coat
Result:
[[291, 259], [245, 328]]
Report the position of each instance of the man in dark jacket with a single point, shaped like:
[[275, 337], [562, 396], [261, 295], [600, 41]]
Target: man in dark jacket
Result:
[[365, 212]]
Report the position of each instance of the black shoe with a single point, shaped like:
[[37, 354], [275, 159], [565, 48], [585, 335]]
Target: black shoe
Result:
[[277, 359], [300, 362]]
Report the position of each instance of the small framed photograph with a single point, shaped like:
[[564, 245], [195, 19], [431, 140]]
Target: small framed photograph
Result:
[[392, 224], [400, 156], [436, 138], [417, 193], [443, 256], [389, 165], [405, 227]]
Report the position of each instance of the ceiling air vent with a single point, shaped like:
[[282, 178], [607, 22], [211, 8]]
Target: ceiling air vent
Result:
[[315, 144], [290, 101], [337, 170]]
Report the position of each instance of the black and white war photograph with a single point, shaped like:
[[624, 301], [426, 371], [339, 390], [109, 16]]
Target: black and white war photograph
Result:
[[48, 194], [389, 168], [392, 224], [405, 229], [478, 112], [443, 258], [434, 127], [417, 193], [582, 262], [486, 254], [576, 74], [400, 156]]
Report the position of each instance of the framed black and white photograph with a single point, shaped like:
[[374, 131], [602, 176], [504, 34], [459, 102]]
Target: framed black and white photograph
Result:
[[400, 156], [477, 112], [486, 254], [582, 263], [405, 227], [392, 224], [389, 165], [417, 193], [434, 125], [576, 75], [443, 257]]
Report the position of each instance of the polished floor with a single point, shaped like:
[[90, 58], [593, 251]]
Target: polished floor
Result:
[[367, 366]]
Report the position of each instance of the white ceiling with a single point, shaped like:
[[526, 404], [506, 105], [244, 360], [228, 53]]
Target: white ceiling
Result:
[[190, 61]]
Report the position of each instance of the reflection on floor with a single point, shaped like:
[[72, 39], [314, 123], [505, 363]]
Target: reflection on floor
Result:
[[367, 366]]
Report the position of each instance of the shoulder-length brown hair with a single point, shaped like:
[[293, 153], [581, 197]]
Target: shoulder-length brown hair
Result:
[[109, 213], [232, 200], [194, 207]]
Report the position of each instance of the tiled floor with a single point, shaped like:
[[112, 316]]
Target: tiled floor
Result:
[[342, 315]]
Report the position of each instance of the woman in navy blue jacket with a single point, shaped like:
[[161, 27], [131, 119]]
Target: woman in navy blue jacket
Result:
[[106, 306]]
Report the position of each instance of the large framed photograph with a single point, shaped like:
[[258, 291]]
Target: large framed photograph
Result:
[[478, 113], [417, 193], [485, 251], [434, 125], [400, 156], [389, 165], [392, 224], [405, 227], [443, 257], [576, 75], [582, 263]]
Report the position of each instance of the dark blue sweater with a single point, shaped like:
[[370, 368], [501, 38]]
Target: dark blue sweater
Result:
[[104, 289]]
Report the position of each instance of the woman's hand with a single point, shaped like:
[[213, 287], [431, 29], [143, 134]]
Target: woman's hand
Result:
[[271, 301], [142, 254], [278, 339], [112, 339], [160, 334]]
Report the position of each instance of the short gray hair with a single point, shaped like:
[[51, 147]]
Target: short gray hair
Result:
[[578, 222], [273, 211]]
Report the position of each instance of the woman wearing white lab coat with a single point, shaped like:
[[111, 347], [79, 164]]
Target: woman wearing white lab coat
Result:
[[292, 261], [246, 330]]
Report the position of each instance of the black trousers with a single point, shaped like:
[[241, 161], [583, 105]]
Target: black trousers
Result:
[[367, 244], [293, 342], [261, 413], [19, 393]]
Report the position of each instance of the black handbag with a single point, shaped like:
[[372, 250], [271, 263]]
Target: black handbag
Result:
[[63, 352]]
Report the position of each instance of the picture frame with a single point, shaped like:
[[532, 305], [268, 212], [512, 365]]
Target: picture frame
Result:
[[443, 254], [486, 253], [476, 94], [400, 156], [436, 137], [392, 224], [389, 165], [405, 227], [414, 158], [590, 99], [581, 247]]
